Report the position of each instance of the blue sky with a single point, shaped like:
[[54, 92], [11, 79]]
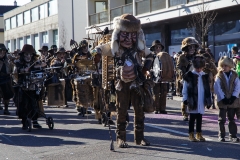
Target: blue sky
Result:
[[10, 2]]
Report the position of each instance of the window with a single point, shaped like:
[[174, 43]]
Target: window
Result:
[[28, 40], [43, 11], [52, 7], [7, 24], [128, 1], [9, 45], [21, 43], [13, 22], [19, 19], [44, 37], [36, 42], [150, 37], [100, 6], [34, 14], [178, 35], [14, 44], [55, 37], [27, 18], [176, 2]]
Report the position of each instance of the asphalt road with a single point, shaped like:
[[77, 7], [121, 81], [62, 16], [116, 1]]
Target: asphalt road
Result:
[[78, 138]]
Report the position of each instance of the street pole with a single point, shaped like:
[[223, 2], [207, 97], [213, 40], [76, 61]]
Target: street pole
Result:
[[72, 20]]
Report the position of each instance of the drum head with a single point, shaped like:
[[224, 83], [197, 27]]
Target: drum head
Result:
[[156, 67]]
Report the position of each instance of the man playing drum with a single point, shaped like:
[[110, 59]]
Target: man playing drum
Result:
[[6, 90], [163, 73], [27, 98], [128, 48]]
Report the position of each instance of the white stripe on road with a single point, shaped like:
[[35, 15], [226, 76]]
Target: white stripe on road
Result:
[[171, 130]]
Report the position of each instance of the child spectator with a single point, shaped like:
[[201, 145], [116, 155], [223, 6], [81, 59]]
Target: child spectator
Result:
[[227, 89], [196, 95]]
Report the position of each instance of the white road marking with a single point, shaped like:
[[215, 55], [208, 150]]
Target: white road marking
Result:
[[171, 130]]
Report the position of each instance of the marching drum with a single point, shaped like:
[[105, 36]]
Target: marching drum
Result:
[[56, 94], [85, 66], [83, 91]]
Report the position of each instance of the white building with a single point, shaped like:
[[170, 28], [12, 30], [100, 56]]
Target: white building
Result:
[[45, 21], [167, 20]]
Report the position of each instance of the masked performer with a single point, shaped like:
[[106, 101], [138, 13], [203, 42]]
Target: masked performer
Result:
[[128, 48], [161, 77], [6, 90], [60, 61], [27, 97], [184, 64]]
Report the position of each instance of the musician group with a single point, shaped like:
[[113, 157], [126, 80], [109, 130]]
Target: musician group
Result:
[[117, 74]]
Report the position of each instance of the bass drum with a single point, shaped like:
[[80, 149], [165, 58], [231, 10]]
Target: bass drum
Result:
[[163, 68], [56, 94], [83, 91]]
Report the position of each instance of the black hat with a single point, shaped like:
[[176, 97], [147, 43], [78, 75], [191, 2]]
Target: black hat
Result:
[[44, 48], [156, 42], [2, 47], [60, 50], [28, 48]]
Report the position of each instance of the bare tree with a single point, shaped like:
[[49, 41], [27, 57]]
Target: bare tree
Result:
[[201, 22], [63, 35]]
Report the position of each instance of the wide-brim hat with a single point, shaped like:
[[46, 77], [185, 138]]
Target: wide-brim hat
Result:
[[225, 60], [189, 41], [61, 50], [29, 49], [126, 23], [154, 43], [44, 48]]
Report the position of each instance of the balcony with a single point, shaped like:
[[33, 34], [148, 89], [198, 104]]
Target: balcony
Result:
[[147, 6], [98, 18], [115, 12]]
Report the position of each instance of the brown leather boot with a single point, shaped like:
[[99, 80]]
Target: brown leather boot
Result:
[[192, 138], [199, 137]]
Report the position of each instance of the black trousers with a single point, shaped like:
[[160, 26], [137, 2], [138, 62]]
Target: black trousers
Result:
[[198, 118], [232, 127]]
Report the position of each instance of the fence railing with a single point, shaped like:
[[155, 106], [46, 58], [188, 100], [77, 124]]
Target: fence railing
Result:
[[147, 6], [98, 18]]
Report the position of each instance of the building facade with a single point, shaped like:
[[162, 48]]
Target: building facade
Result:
[[45, 22], [4, 9], [167, 20]]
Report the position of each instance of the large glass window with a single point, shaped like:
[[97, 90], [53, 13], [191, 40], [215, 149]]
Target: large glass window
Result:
[[14, 44], [34, 14], [7, 24], [36, 42], [178, 35], [9, 45], [44, 37], [20, 19], [28, 40], [21, 43], [100, 6], [55, 37], [43, 11], [150, 37], [176, 2], [52, 8], [13, 22], [27, 17], [128, 1]]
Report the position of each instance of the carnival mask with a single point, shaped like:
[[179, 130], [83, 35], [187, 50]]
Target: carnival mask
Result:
[[85, 49], [127, 39], [2, 54], [27, 57], [191, 49], [61, 55]]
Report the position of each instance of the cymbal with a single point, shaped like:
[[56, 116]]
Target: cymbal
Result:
[[53, 67]]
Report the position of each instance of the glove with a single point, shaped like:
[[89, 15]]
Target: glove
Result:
[[208, 107], [185, 102], [232, 99], [225, 101]]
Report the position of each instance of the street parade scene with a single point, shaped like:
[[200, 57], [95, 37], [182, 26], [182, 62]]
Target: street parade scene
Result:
[[119, 93]]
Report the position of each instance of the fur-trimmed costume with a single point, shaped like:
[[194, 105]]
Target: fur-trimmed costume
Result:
[[129, 76]]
